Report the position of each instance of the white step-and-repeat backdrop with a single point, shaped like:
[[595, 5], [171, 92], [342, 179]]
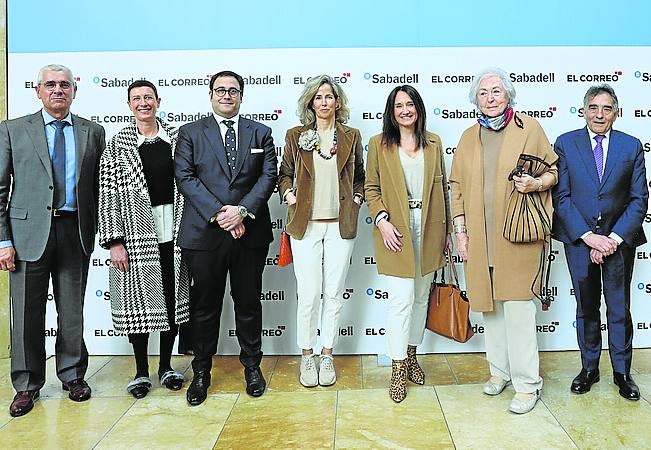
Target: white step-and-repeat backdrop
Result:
[[550, 84]]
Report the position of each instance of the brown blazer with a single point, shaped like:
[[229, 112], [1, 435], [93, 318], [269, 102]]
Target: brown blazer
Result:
[[297, 168], [514, 265], [386, 191]]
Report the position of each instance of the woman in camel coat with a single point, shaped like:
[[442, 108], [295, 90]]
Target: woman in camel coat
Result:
[[500, 274], [406, 190]]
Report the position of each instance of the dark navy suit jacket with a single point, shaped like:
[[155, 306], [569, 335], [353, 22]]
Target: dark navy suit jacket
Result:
[[616, 204], [204, 179]]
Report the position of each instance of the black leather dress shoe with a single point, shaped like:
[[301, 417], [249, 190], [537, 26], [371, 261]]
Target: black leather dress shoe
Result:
[[584, 381], [79, 390], [23, 403], [627, 387], [255, 383], [198, 389]]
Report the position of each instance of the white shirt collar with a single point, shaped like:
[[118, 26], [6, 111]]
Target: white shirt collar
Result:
[[220, 119], [162, 134]]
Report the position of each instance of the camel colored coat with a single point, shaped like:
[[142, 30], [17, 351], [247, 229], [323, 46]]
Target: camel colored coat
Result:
[[298, 167], [514, 265], [386, 190]]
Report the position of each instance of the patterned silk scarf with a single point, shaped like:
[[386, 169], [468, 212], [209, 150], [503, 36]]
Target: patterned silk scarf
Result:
[[496, 123]]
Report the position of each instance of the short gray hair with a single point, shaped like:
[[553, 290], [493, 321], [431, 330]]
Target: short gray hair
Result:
[[492, 72], [593, 91], [305, 111], [55, 68]]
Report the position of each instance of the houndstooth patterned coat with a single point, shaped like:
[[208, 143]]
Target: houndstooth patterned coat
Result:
[[137, 301]]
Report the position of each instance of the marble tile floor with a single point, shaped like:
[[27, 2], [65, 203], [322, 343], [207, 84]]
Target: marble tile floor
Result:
[[450, 411]]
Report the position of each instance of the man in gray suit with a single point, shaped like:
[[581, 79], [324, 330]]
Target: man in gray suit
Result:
[[49, 164]]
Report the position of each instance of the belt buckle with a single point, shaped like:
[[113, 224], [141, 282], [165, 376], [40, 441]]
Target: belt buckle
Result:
[[415, 204], [56, 213]]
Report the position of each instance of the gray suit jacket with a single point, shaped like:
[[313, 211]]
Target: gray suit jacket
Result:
[[27, 186]]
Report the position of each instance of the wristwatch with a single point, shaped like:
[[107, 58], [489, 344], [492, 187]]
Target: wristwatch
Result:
[[242, 210]]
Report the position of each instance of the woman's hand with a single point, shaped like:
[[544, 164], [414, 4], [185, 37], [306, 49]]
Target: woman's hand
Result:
[[526, 183], [390, 235], [119, 257], [462, 246], [448, 245], [290, 198]]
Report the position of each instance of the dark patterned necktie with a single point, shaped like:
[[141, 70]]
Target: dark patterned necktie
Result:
[[599, 155], [59, 165], [229, 144]]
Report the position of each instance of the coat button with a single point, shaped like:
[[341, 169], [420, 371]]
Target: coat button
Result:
[[49, 208], [51, 187]]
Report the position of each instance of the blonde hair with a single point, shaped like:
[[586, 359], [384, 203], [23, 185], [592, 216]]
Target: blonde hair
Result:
[[305, 111]]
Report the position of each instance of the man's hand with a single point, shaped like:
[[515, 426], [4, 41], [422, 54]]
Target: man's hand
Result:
[[119, 257], [601, 243], [7, 262], [229, 217], [596, 256], [238, 231], [390, 235]]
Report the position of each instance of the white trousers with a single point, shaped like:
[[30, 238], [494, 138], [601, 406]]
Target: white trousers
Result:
[[408, 298], [512, 344], [321, 262]]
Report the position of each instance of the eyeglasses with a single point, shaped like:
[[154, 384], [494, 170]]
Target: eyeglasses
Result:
[[51, 85], [232, 92]]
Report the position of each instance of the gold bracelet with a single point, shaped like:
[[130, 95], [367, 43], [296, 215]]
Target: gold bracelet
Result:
[[540, 188]]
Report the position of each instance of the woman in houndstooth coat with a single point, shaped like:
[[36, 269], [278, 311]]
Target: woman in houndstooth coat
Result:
[[139, 214]]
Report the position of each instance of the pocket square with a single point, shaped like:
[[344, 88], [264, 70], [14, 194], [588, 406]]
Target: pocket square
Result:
[[257, 150]]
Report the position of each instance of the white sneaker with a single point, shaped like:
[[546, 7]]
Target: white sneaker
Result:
[[523, 403], [309, 372], [327, 375], [495, 386]]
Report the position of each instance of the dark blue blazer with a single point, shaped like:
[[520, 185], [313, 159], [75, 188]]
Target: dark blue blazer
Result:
[[204, 179], [616, 204]]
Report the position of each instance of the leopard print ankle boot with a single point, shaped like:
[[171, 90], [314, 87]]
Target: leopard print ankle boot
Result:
[[398, 387], [414, 373]]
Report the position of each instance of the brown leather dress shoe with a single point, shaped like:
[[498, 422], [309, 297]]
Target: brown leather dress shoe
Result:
[[23, 403], [79, 390]]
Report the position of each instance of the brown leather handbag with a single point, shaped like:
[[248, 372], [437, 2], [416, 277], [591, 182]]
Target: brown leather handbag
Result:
[[285, 256], [448, 310]]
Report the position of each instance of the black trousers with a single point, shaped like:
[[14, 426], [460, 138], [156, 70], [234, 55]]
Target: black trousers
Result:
[[64, 261], [208, 270]]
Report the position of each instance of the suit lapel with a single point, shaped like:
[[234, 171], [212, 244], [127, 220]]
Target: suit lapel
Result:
[[584, 149], [36, 132], [81, 143], [211, 130], [244, 138], [344, 146]]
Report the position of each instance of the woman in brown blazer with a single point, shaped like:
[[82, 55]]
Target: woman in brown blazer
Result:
[[499, 273], [406, 190], [322, 180]]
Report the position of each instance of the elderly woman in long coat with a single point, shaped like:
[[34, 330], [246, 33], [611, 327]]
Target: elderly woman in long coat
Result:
[[500, 274], [139, 214]]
